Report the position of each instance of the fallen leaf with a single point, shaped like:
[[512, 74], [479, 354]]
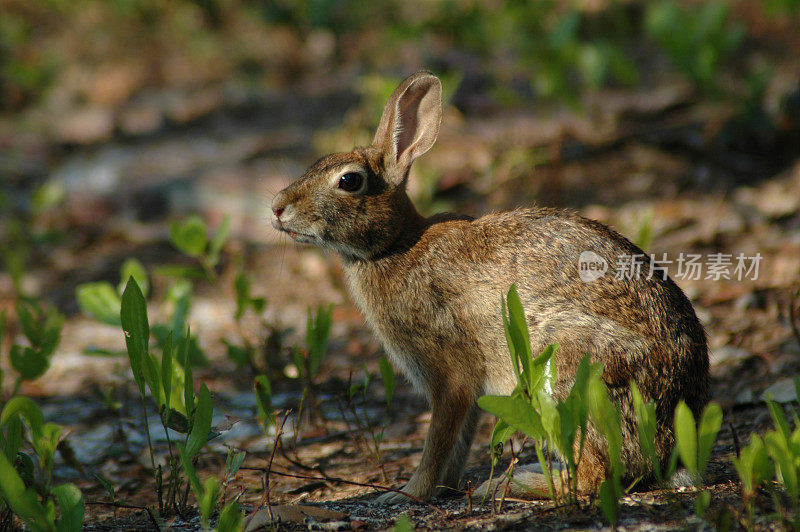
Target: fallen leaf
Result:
[[293, 513]]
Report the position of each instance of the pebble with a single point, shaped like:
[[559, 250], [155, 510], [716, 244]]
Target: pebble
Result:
[[782, 391]]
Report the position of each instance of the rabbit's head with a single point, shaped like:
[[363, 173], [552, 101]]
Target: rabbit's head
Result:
[[356, 202]]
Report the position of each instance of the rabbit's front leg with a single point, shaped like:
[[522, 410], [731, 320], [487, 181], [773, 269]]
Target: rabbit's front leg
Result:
[[449, 414]]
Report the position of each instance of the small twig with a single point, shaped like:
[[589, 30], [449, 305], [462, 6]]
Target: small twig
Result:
[[152, 457], [792, 318], [350, 482], [267, 487], [300, 464], [735, 439], [129, 506]]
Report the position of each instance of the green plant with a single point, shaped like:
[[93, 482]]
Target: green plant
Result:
[[644, 233], [783, 449], [191, 237], [554, 425], [41, 327], [27, 456], [307, 359], [245, 354], [697, 39], [364, 423], [605, 416], [694, 443], [753, 466], [178, 407], [263, 391], [403, 524], [646, 431], [196, 423], [387, 375], [775, 455], [26, 489]]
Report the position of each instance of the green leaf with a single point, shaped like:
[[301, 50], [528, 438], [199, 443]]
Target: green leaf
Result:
[[191, 472], [26, 408], [500, 435], [133, 268], [133, 317], [70, 504], [29, 363], [179, 297], [30, 324], [48, 195], [238, 354], [512, 351], [230, 518], [778, 448], [188, 378], [514, 411], [201, 423], [258, 304], [166, 370], [710, 423], [208, 500], [177, 421], [796, 382], [264, 398], [646, 428], [46, 445], [518, 330], [242, 287], [99, 301], [318, 329], [606, 417], [22, 501], [26, 468], [753, 465], [233, 462], [52, 333], [387, 375], [609, 501], [109, 487], [779, 419], [403, 524], [13, 437], [542, 372], [686, 438], [189, 236], [152, 375], [215, 246], [702, 503]]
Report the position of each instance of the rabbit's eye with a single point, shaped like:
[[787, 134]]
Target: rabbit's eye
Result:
[[351, 181]]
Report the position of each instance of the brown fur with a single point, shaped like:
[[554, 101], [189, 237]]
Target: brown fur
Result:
[[431, 289]]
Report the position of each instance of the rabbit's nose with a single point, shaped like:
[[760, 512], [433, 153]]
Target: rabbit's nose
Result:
[[277, 212]]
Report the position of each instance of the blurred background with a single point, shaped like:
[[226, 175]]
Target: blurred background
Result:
[[125, 124]]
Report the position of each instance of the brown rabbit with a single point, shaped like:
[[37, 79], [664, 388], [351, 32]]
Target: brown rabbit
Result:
[[431, 289]]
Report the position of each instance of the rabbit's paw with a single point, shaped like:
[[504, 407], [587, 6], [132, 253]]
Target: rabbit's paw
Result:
[[392, 497], [416, 488]]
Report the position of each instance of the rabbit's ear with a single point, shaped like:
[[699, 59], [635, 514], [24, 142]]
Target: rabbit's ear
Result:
[[410, 122]]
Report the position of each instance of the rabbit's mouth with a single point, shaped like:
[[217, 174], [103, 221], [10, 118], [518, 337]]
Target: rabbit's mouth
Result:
[[299, 237]]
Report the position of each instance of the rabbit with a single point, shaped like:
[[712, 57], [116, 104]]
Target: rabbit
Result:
[[431, 289]]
